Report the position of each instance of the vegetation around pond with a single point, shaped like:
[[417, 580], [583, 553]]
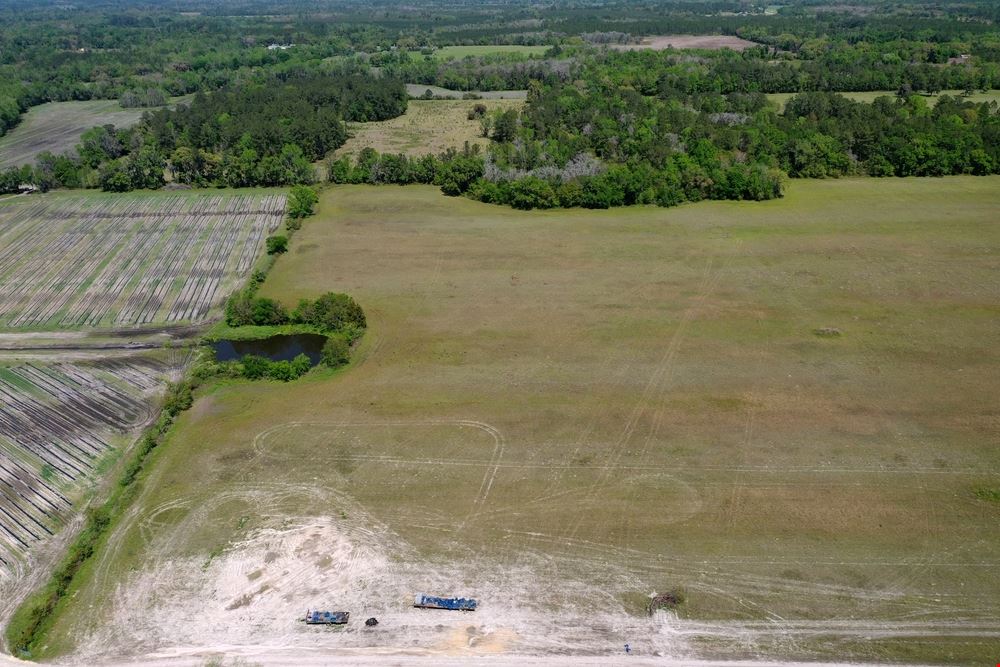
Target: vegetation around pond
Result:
[[251, 317]]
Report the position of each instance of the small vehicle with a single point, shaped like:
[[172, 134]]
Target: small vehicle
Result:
[[432, 602], [327, 617]]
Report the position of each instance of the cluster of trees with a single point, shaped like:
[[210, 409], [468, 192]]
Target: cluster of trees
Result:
[[338, 316], [454, 171], [731, 139], [828, 135], [330, 313], [262, 135], [681, 178]]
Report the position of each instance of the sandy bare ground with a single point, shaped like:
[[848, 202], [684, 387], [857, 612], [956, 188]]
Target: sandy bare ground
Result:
[[661, 42], [244, 604]]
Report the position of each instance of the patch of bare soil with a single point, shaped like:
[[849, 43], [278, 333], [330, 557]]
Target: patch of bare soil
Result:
[[247, 602], [661, 42]]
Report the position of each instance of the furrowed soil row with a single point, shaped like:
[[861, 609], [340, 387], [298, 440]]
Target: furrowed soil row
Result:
[[78, 261], [54, 433], [77, 270], [41, 249], [178, 260], [212, 240]]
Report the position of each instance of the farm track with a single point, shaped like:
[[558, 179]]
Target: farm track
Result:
[[135, 261]]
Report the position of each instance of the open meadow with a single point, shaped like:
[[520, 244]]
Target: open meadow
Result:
[[419, 90], [459, 52], [96, 260], [784, 411], [428, 127]]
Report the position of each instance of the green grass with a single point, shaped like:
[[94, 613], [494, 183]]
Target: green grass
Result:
[[459, 52], [990, 494], [428, 127], [222, 331], [581, 407], [868, 96]]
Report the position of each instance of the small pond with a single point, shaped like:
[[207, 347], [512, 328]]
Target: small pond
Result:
[[284, 347]]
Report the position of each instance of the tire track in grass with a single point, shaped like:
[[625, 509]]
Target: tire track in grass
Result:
[[649, 396]]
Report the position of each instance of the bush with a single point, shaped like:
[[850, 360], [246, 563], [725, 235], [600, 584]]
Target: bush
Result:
[[277, 244], [268, 312], [336, 351], [180, 397], [254, 367], [330, 312], [301, 201]]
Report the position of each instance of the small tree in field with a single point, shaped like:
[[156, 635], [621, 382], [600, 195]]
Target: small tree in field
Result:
[[277, 245], [301, 202]]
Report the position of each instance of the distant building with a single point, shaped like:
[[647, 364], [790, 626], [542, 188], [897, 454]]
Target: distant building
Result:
[[279, 47]]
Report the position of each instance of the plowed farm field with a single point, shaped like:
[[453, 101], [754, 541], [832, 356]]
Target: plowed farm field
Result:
[[102, 261], [58, 422]]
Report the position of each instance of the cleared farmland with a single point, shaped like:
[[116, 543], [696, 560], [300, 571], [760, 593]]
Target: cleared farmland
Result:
[[58, 421], [561, 412], [428, 127], [708, 42], [460, 52], [419, 90], [101, 261], [56, 127]]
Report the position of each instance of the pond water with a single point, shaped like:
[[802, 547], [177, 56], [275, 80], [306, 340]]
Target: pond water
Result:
[[284, 347]]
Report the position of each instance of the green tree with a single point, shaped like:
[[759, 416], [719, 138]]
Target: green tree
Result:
[[301, 201], [336, 351], [277, 245]]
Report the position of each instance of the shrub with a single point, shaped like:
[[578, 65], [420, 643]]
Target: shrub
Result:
[[301, 365], [268, 311], [254, 367], [277, 244], [301, 201], [280, 370], [336, 351], [331, 312]]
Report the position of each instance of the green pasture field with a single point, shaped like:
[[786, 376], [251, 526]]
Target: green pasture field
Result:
[[786, 410], [459, 52], [869, 96]]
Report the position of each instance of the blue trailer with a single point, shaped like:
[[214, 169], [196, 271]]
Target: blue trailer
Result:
[[327, 617], [431, 602]]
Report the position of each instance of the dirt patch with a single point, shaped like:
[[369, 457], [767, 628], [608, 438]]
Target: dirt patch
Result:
[[709, 42]]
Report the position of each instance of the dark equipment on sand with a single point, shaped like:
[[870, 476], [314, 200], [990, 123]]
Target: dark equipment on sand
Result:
[[371, 622], [327, 617], [432, 602]]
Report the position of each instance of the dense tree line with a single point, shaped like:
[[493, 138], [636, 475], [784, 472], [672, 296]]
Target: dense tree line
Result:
[[141, 52], [591, 186], [267, 134], [597, 142]]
